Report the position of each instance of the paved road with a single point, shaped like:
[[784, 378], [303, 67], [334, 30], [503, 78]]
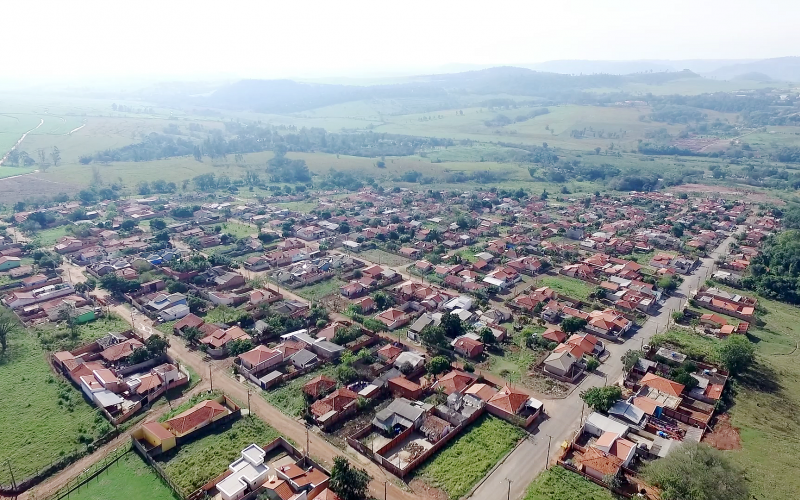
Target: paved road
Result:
[[564, 416]]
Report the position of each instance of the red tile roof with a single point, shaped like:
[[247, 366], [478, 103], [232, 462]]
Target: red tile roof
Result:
[[455, 381], [203, 412], [601, 462], [508, 400], [662, 384], [318, 386]]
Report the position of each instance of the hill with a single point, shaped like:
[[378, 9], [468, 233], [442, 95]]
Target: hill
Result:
[[779, 68]]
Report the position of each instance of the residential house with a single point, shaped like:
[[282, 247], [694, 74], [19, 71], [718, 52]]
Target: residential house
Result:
[[393, 318], [454, 381], [467, 346], [511, 404], [196, 417], [333, 407], [260, 358]]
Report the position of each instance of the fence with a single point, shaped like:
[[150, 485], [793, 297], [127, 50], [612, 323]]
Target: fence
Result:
[[179, 492], [92, 472]]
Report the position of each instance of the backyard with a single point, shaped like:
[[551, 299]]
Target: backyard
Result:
[[129, 477], [457, 467], [195, 463], [558, 483]]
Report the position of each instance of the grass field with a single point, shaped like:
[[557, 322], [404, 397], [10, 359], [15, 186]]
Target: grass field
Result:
[[384, 258], [319, 290], [558, 483], [196, 462], [239, 230], [466, 459], [49, 417], [12, 171], [129, 477], [570, 287], [289, 398], [49, 237]]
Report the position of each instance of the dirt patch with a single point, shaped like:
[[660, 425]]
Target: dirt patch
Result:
[[422, 488], [725, 436], [755, 196]]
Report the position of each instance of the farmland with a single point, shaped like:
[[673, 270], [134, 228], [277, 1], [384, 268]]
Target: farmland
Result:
[[129, 477], [459, 465], [198, 461]]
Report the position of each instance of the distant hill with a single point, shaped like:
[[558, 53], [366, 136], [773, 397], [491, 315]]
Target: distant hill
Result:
[[288, 96], [583, 67], [753, 77], [785, 69]]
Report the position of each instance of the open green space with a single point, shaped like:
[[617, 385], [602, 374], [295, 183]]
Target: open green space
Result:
[[383, 258], [466, 459], [49, 237], [557, 483], [12, 171], [565, 285], [195, 463], [238, 230], [46, 418], [319, 290], [289, 397], [129, 477]]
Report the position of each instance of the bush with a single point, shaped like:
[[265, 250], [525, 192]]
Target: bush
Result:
[[469, 368], [592, 363]]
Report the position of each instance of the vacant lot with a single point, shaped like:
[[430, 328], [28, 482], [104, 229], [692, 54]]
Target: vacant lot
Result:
[[130, 477], [565, 285], [50, 237], [384, 258], [46, 418], [193, 464], [289, 398], [558, 483], [318, 290], [466, 459]]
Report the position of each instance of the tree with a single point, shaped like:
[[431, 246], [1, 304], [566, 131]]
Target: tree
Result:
[[156, 345], [602, 398], [158, 225], [433, 336], [736, 353], [452, 325], [572, 324], [696, 471], [348, 482], [439, 364], [239, 346], [487, 337], [8, 325], [630, 358], [56, 156]]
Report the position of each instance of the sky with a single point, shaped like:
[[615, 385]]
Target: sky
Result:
[[82, 39]]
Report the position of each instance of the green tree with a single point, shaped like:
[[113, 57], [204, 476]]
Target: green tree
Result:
[[736, 353], [572, 324], [438, 364], [696, 471], [433, 336], [8, 325], [239, 346], [602, 398], [487, 337], [630, 358], [452, 325], [348, 482]]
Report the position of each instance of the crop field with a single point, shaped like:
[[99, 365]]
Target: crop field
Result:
[[289, 398], [196, 462], [466, 459], [129, 477], [49, 417], [557, 483]]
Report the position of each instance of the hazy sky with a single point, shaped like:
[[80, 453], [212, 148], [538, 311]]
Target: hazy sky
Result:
[[267, 38]]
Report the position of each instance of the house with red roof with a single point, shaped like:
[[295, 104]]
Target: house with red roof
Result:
[[454, 381], [196, 417], [334, 407], [260, 358], [513, 405], [467, 346], [393, 318], [319, 386]]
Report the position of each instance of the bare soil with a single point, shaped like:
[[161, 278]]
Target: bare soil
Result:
[[725, 436], [419, 486]]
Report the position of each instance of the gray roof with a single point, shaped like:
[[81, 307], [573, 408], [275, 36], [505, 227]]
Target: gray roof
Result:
[[328, 346], [400, 411], [303, 357]]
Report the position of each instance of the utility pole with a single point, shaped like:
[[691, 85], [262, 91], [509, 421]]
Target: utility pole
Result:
[[211, 378], [508, 497], [305, 462], [547, 464], [13, 481], [248, 401], [384, 490]]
